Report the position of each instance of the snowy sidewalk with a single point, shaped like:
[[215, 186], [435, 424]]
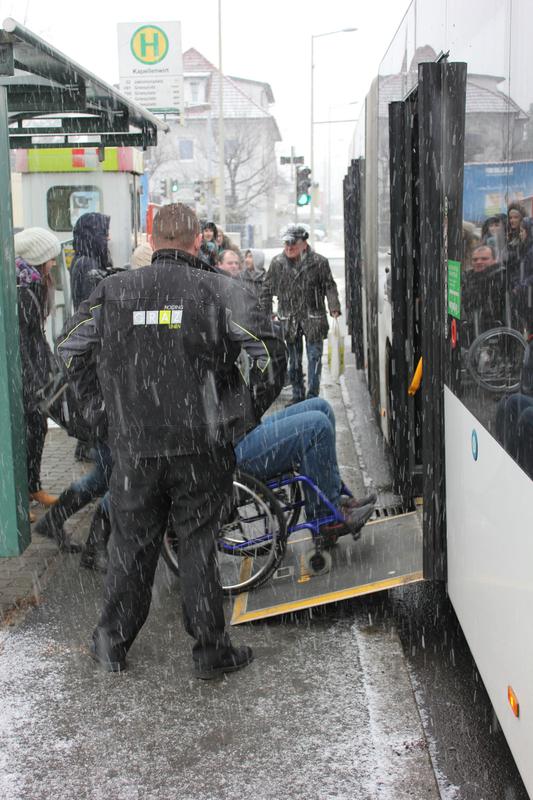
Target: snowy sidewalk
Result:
[[326, 710]]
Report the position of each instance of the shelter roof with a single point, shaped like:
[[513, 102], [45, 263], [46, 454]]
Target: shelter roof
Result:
[[53, 101]]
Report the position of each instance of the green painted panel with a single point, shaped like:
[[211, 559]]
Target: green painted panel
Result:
[[14, 523]]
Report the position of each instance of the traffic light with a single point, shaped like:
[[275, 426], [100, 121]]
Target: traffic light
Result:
[[303, 185], [163, 187], [174, 185], [197, 191]]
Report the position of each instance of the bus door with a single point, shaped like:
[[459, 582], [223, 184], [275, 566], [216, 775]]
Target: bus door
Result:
[[405, 411], [426, 179], [442, 88], [353, 207]]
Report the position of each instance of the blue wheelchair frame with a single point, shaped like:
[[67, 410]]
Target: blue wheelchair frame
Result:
[[314, 525]]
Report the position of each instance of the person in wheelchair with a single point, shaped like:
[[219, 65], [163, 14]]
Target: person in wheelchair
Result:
[[301, 437]]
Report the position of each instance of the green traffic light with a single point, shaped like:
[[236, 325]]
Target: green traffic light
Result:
[[303, 199]]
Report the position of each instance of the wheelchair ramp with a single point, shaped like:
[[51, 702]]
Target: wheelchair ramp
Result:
[[388, 554]]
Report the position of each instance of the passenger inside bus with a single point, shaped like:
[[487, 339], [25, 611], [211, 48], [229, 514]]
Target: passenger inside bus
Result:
[[514, 417]]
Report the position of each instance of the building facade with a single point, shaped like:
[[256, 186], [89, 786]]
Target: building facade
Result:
[[185, 165]]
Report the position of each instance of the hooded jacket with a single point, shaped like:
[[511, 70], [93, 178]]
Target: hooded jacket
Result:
[[92, 261], [163, 344], [301, 287], [37, 361]]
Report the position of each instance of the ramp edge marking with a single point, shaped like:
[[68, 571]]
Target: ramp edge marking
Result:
[[324, 599], [241, 602]]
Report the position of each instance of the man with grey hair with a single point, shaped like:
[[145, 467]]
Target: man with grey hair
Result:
[[163, 342], [301, 278]]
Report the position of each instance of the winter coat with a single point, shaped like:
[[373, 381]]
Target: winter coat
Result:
[[253, 278], [163, 343], [92, 261], [483, 300], [301, 288], [37, 360]]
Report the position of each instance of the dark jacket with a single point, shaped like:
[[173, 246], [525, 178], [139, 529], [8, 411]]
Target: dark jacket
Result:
[[483, 300], [301, 288], [163, 343], [91, 262], [37, 360]]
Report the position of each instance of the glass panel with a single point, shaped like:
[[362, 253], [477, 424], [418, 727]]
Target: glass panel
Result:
[[497, 265], [514, 418], [65, 204]]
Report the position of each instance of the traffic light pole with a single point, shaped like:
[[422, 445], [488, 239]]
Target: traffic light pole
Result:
[[293, 181]]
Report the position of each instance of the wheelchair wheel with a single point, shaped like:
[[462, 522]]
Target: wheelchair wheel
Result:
[[494, 360], [252, 542], [290, 497]]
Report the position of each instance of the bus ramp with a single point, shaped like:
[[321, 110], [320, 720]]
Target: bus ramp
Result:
[[388, 554]]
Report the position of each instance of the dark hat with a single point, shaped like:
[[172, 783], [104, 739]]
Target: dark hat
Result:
[[295, 233]]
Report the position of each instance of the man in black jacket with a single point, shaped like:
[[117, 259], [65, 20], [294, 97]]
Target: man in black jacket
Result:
[[164, 341], [301, 278]]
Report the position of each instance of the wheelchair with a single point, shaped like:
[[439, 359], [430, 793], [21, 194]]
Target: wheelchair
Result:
[[253, 541], [494, 360]]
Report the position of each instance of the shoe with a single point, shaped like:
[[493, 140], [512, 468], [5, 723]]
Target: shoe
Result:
[[46, 527], [357, 502], [94, 554], [96, 560], [44, 498], [83, 452], [231, 660], [105, 662], [354, 520]]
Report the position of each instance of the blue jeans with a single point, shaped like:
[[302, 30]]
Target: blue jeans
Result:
[[96, 482], [314, 367], [299, 437]]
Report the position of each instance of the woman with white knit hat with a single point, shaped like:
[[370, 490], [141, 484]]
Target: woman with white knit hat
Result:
[[36, 250]]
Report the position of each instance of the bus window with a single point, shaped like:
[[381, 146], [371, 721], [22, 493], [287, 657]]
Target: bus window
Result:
[[65, 204]]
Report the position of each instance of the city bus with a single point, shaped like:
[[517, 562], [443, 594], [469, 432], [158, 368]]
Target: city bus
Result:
[[440, 337]]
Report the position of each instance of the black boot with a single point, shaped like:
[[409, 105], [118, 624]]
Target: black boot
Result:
[[51, 525], [94, 554]]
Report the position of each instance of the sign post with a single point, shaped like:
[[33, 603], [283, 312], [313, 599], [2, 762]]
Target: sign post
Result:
[[151, 65]]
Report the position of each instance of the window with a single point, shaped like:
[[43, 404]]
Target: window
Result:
[[65, 204], [186, 149], [195, 89]]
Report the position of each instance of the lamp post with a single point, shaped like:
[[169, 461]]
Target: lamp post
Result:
[[312, 164], [221, 137]]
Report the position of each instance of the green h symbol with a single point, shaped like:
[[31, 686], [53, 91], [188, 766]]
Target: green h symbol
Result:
[[146, 44]]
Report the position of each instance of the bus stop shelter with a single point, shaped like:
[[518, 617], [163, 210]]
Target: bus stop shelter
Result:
[[46, 100]]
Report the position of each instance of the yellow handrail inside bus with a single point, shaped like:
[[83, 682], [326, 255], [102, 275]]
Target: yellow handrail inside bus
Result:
[[417, 380]]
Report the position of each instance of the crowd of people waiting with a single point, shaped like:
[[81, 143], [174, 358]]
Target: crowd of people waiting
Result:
[[302, 436]]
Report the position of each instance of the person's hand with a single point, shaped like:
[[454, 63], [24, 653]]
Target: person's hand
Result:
[[335, 314]]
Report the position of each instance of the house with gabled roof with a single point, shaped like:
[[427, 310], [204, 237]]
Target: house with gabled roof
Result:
[[185, 165]]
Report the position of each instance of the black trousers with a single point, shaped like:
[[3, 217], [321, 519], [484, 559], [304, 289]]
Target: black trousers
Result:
[[193, 493], [36, 428]]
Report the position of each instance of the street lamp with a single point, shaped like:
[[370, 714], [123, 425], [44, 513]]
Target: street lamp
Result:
[[313, 37]]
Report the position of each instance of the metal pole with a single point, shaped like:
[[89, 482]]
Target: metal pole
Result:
[[14, 523], [312, 157], [312, 165], [221, 139], [293, 176]]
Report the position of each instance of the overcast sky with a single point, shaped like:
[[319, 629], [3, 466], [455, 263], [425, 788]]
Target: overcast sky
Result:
[[267, 41]]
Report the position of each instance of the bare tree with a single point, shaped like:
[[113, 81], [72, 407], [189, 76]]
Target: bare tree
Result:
[[250, 170]]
